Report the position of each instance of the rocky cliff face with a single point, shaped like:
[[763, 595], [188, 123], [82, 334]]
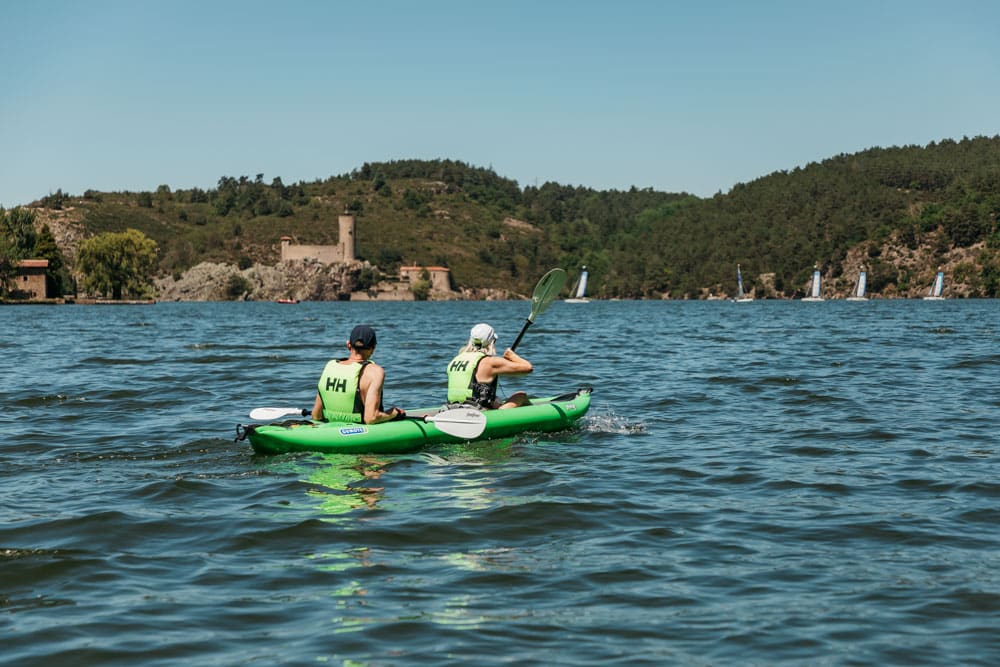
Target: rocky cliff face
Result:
[[305, 280], [65, 226], [912, 269]]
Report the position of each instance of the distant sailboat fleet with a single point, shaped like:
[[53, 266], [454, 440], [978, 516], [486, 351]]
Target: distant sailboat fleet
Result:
[[858, 293], [861, 286]]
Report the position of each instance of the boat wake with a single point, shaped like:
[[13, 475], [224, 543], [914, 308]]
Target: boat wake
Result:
[[611, 423]]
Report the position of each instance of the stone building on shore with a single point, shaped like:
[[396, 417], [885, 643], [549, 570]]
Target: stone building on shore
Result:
[[30, 280]]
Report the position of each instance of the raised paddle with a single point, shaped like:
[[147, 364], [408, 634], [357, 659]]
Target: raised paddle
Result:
[[462, 422], [545, 291]]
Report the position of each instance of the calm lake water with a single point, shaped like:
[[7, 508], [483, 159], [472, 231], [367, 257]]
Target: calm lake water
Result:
[[755, 484]]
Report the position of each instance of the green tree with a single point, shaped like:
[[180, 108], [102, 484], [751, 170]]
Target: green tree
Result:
[[57, 276], [118, 263], [367, 278], [8, 264], [19, 224], [17, 241], [421, 289], [55, 200], [236, 287]]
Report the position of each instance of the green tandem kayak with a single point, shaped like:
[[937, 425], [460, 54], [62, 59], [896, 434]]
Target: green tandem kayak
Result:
[[543, 415]]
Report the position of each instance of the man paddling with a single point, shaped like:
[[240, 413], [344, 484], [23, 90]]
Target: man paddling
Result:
[[350, 390], [473, 375]]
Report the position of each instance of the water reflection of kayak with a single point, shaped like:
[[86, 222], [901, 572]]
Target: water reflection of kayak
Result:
[[545, 415]]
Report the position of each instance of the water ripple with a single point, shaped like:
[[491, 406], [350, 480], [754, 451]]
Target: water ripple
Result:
[[765, 485]]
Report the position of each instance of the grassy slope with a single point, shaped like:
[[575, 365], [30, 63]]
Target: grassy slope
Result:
[[451, 232]]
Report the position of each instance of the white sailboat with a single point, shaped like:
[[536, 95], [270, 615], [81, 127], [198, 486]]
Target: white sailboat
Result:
[[741, 297], [936, 288], [580, 291], [814, 292], [859, 289]]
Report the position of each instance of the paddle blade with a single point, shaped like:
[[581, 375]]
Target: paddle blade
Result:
[[264, 414], [546, 291], [463, 422]]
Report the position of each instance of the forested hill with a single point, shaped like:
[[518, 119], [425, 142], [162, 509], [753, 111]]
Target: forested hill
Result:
[[901, 212]]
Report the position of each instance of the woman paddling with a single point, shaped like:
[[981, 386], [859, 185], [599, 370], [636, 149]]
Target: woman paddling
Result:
[[473, 375]]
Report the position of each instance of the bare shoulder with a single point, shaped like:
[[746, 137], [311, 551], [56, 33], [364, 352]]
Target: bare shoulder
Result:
[[492, 362]]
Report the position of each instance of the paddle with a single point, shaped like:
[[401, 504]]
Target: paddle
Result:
[[267, 414], [462, 422], [545, 291]]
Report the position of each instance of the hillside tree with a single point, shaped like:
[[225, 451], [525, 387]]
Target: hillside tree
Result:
[[118, 264], [57, 276], [17, 241]]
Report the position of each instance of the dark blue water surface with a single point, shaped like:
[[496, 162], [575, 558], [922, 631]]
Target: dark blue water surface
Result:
[[755, 484]]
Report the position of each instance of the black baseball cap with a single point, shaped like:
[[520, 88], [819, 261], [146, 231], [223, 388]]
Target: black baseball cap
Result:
[[362, 337]]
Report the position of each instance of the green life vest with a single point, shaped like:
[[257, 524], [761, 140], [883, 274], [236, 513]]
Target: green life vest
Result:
[[338, 389], [462, 385]]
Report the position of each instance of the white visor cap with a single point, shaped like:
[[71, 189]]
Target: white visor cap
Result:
[[482, 335]]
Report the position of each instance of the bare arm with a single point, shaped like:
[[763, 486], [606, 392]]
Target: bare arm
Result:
[[509, 364], [371, 389], [318, 408]]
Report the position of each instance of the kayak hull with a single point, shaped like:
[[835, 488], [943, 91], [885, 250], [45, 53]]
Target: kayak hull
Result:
[[544, 415]]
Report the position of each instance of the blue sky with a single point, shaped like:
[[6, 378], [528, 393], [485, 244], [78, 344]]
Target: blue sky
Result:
[[678, 96]]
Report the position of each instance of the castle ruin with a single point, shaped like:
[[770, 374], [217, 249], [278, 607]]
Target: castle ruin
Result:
[[400, 289], [342, 253]]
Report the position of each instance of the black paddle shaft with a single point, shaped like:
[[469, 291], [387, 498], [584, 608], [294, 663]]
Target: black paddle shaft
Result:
[[527, 323]]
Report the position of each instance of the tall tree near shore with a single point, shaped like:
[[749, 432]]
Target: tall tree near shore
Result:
[[8, 264], [19, 224], [56, 276], [17, 240], [118, 264]]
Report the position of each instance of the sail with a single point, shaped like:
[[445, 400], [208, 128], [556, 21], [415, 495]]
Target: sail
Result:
[[579, 290], [581, 287], [862, 285], [739, 282], [815, 286], [938, 284]]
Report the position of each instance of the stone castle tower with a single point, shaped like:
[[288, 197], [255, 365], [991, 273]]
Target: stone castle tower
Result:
[[346, 237], [341, 253]]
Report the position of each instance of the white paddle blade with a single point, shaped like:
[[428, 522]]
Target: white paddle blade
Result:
[[264, 414], [465, 423]]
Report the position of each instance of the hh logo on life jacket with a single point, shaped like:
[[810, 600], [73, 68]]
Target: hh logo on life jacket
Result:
[[458, 366], [336, 385]]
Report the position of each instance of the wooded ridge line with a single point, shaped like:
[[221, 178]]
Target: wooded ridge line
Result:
[[900, 213]]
